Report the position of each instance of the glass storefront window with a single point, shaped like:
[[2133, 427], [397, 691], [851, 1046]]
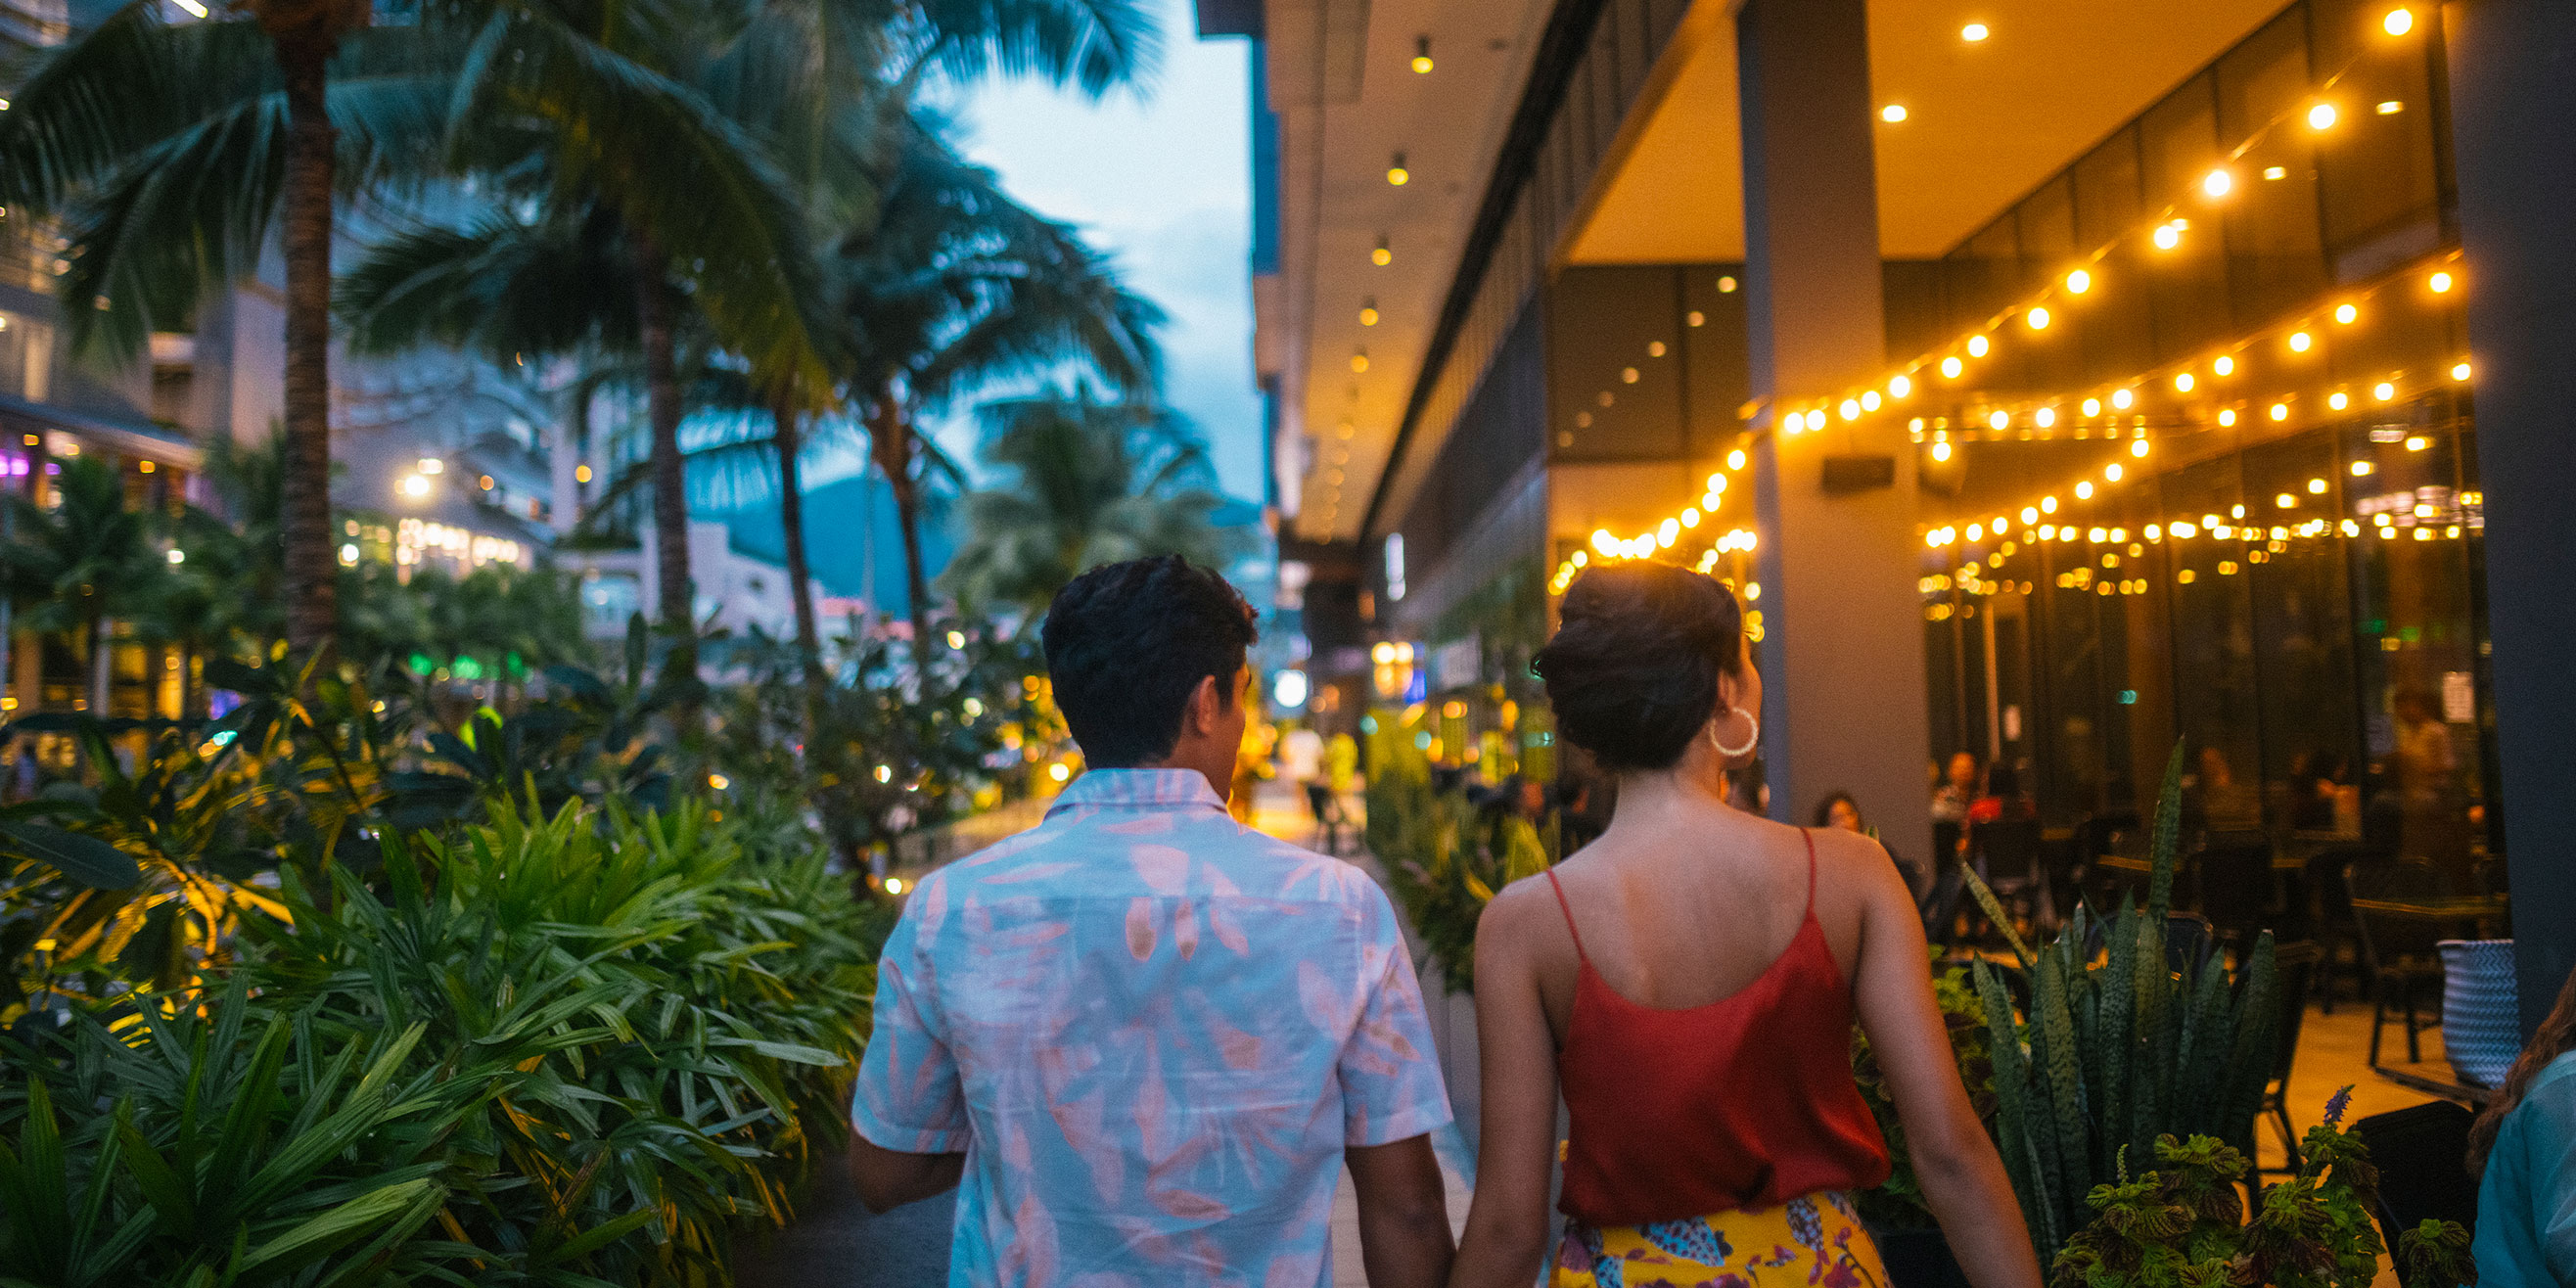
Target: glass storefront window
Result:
[[2215, 699], [2416, 642], [2311, 770]]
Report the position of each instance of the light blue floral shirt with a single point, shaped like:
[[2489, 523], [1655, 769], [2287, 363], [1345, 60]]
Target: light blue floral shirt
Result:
[[1152, 1031], [2527, 1201]]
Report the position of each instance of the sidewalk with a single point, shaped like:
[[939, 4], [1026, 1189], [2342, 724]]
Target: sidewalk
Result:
[[835, 1243]]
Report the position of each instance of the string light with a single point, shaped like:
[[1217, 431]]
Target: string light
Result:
[[1383, 255], [1974, 32], [2217, 182], [1396, 174], [2301, 341], [1893, 113], [1978, 345], [2037, 317], [2078, 282], [1422, 55], [2398, 22], [2321, 116], [2460, 371], [2440, 283], [2347, 314], [2168, 235], [2225, 365], [1951, 367]]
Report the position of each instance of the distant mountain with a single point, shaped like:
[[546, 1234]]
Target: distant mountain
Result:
[[850, 533], [852, 539]]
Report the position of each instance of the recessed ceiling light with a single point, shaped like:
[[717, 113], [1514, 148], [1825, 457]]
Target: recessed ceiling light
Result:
[[1974, 32], [1893, 113]]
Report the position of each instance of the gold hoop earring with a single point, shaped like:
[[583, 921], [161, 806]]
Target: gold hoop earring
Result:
[[1751, 740]]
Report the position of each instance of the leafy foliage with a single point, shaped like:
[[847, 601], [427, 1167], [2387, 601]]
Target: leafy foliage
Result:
[[1444, 860], [2109, 1056], [2184, 1225]]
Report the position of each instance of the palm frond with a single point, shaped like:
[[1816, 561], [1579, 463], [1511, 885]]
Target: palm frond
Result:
[[1096, 45]]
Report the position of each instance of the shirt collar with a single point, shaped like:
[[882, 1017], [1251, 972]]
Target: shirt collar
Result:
[[1168, 789]]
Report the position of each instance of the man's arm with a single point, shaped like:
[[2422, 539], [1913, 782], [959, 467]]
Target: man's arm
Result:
[[887, 1179], [1405, 1240]]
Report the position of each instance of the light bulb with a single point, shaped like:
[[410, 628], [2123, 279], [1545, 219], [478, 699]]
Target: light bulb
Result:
[[1368, 313], [2167, 237], [1734, 461], [2226, 416], [2138, 447], [2000, 420], [2078, 282], [2316, 487], [1940, 451], [2217, 182], [1900, 387], [1893, 113], [2460, 371], [2048, 505], [2338, 400], [1382, 255], [2301, 341], [2347, 314], [2084, 490], [1422, 55], [2362, 469], [2440, 283], [2183, 382], [1359, 361], [2044, 417], [1974, 32], [2383, 391], [1951, 367], [2398, 22], [2121, 398], [2280, 411], [2037, 317], [1977, 344], [2225, 366], [2112, 472], [1396, 173], [2092, 407], [1869, 400], [2321, 116]]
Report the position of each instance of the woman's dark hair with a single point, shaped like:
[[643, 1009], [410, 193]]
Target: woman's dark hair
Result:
[[1632, 671], [1126, 643], [2556, 1036], [1825, 807]]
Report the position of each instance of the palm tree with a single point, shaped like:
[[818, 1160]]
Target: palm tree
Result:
[[173, 153], [76, 568], [952, 286], [1088, 483]]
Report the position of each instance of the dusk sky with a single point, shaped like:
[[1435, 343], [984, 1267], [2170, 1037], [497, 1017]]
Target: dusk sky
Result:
[[1163, 182]]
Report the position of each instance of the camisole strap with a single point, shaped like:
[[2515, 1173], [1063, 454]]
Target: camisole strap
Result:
[[1568, 910], [1810, 837]]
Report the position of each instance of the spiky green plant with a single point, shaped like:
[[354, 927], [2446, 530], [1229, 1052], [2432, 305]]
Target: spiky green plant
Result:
[[2112, 1054]]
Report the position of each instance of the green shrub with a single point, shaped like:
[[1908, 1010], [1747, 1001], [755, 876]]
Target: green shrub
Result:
[[1898, 1204], [595, 1044], [2114, 1054], [1442, 860], [2184, 1224]]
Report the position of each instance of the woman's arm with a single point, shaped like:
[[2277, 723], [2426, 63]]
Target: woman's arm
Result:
[[1507, 1224], [1963, 1178]]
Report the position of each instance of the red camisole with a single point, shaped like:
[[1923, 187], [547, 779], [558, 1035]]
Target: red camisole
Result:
[[1744, 1103]]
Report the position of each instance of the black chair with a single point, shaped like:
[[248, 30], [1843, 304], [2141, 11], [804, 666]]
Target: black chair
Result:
[[2401, 954], [2422, 1154], [2331, 924], [2237, 889], [2294, 965], [2010, 851]]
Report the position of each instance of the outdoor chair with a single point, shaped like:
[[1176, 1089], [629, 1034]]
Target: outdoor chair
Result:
[[2331, 925], [2400, 954], [2294, 965], [2010, 851], [2237, 889], [2422, 1155]]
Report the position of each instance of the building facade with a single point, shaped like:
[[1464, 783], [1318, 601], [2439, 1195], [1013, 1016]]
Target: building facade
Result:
[[2056, 384]]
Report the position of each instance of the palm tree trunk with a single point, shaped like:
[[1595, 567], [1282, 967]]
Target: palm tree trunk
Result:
[[788, 437], [312, 573], [653, 307], [890, 439], [99, 661]]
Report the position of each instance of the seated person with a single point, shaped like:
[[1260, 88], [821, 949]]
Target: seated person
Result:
[[2524, 1145]]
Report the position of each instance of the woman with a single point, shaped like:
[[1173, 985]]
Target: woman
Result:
[[2525, 1143], [1690, 979]]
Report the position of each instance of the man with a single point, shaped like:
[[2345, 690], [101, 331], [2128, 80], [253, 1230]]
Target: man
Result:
[[1144, 1037]]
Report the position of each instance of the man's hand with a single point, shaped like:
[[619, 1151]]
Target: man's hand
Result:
[[887, 1179], [1405, 1240]]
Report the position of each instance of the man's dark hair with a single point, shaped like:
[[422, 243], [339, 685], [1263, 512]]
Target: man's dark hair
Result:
[[1126, 643]]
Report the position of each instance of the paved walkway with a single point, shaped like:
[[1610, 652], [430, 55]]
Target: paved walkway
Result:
[[835, 1243]]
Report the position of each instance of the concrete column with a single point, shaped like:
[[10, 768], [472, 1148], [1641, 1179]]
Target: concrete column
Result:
[[1842, 653], [2513, 126]]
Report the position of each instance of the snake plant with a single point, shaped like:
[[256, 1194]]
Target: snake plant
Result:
[[2116, 1047]]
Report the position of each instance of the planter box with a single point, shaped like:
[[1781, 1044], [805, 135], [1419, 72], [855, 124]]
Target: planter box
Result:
[[1918, 1259]]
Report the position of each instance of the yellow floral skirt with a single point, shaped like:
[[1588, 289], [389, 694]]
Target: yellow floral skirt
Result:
[[1810, 1242]]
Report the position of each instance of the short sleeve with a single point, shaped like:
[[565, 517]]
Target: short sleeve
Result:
[[2548, 1148], [908, 1098], [1391, 1087]]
